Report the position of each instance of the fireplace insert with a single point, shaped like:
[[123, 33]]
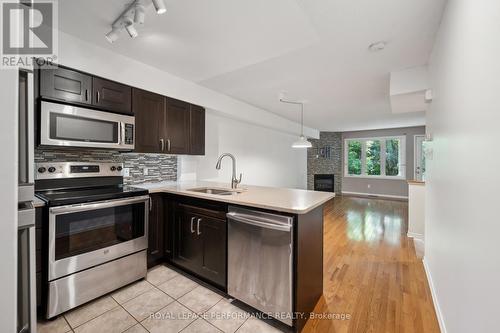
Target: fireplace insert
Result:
[[324, 182]]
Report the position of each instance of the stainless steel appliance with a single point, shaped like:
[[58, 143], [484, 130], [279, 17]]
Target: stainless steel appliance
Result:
[[26, 279], [71, 126], [97, 231], [260, 261]]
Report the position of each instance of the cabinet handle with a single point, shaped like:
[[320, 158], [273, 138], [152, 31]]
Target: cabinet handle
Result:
[[192, 220], [97, 96], [86, 94], [168, 144], [162, 144], [150, 204], [198, 227]]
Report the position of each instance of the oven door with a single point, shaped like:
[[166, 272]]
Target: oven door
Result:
[[86, 235], [71, 126]]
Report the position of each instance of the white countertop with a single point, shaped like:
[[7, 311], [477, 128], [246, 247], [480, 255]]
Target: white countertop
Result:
[[288, 200]]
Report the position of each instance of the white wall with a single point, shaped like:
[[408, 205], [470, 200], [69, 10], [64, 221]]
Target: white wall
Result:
[[462, 227], [76, 53], [8, 200], [264, 156]]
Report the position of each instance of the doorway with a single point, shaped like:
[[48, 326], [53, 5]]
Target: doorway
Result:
[[419, 158]]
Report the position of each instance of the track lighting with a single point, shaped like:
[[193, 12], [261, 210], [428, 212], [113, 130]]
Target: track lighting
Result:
[[139, 13], [129, 26], [159, 6], [134, 14], [112, 35]]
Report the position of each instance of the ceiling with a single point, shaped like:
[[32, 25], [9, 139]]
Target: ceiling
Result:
[[314, 50]]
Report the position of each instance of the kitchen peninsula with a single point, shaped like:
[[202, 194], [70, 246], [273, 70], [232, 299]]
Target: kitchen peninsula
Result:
[[260, 245]]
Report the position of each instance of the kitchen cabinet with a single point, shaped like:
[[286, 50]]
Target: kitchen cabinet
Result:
[[149, 111], [66, 85], [39, 255], [111, 95], [177, 126], [75, 87], [200, 242], [162, 124], [155, 230], [197, 130]]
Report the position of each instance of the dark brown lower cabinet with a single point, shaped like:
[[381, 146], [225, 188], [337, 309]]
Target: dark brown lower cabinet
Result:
[[156, 230], [200, 243]]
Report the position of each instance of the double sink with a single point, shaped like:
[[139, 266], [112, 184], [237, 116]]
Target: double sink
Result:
[[216, 191]]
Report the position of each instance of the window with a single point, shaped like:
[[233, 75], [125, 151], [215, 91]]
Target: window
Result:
[[375, 157], [354, 157]]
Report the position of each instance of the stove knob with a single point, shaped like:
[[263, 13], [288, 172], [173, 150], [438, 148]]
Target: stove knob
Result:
[[42, 169], [52, 169], [113, 168], [119, 168]]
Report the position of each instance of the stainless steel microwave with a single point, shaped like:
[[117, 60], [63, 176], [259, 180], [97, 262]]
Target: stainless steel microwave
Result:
[[71, 126]]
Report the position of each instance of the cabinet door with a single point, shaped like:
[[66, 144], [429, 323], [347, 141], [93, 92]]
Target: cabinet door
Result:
[[168, 228], [213, 233], [177, 126], [187, 245], [66, 85], [197, 130], [149, 111], [155, 230], [112, 95]]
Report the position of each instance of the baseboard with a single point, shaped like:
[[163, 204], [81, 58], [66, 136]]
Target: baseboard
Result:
[[439, 314], [375, 195]]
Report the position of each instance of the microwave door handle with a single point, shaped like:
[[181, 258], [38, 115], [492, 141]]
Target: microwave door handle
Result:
[[122, 134]]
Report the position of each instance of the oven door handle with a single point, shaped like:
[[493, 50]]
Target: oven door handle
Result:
[[97, 205]]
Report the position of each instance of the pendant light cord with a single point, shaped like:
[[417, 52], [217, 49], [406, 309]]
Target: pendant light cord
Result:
[[301, 113]]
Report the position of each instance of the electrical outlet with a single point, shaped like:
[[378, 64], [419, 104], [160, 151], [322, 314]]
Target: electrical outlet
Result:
[[146, 171], [126, 172]]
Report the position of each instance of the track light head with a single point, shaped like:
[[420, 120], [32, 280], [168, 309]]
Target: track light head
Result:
[[113, 35], [132, 32], [159, 6], [139, 13]]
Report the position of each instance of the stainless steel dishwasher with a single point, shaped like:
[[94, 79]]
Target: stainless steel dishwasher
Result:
[[260, 261]]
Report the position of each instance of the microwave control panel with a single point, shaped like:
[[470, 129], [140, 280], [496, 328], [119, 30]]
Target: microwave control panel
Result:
[[129, 134]]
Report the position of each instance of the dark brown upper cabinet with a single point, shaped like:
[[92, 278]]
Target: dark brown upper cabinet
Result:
[[177, 126], [197, 130], [111, 95], [149, 111], [66, 85]]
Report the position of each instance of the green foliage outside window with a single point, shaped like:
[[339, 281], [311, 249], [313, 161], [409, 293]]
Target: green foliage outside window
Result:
[[373, 158], [354, 158], [392, 157]]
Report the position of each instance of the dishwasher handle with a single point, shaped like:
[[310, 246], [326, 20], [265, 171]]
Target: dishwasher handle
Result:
[[243, 219]]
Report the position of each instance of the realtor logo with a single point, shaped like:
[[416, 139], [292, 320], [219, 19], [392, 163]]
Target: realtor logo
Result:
[[28, 31]]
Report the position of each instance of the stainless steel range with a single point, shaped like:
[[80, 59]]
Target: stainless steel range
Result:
[[97, 231]]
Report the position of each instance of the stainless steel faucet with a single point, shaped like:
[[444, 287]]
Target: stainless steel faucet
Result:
[[234, 181]]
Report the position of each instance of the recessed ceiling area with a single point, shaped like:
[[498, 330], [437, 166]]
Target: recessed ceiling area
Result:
[[253, 50]]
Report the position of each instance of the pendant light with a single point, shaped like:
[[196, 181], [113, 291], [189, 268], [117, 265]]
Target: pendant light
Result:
[[302, 142]]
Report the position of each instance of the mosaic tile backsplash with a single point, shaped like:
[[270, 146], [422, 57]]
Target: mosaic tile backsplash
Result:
[[160, 167]]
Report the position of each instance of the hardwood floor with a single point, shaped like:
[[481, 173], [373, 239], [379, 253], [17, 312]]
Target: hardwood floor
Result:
[[371, 271]]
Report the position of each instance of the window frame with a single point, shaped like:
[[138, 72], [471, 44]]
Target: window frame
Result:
[[383, 153]]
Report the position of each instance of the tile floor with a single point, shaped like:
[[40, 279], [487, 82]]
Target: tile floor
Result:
[[166, 301]]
